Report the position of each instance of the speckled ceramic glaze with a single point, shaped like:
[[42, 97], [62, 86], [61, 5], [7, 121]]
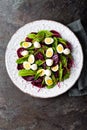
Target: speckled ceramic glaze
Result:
[[11, 56]]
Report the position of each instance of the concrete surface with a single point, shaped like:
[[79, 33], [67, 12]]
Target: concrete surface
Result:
[[19, 111]]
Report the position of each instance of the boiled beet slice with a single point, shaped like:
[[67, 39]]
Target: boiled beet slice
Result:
[[38, 82], [27, 39], [20, 66], [39, 56], [19, 51], [55, 33], [55, 58], [69, 45], [28, 78], [44, 65], [70, 63], [56, 74]]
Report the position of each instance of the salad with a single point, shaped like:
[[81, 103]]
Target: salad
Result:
[[44, 58]]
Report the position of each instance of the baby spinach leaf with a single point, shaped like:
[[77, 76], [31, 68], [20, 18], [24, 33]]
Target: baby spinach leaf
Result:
[[24, 72], [39, 37], [47, 33], [21, 43], [66, 76], [51, 86], [61, 40], [63, 60], [39, 62], [60, 71], [37, 75], [31, 35], [22, 59]]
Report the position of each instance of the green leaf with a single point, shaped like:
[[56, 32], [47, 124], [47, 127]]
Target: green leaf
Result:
[[31, 48], [62, 41], [54, 45], [39, 37], [66, 76], [39, 62], [46, 33], [55, 42], [21, 43], [24, 72], [60, 71], [22, 59], [49, 87], [53, 78], [63, 60], [37, 75], [31, 35]]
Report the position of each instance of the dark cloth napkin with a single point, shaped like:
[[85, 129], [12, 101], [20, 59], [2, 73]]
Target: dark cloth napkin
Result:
[[80, 88]]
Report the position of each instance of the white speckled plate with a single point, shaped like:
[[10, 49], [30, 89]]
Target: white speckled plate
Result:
[[11, 57]]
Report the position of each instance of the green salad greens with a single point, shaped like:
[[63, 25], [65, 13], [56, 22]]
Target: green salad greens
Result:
[[44, 58]]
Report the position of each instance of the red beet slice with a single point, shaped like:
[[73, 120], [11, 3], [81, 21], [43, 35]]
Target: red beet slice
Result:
[[19, 51], [55, 58], [28, 78], [70, 63], [39, 56], [69, 45], [27, 39], [20, 66], [38, 82], [56, 74], [44, 65], [55, 33]]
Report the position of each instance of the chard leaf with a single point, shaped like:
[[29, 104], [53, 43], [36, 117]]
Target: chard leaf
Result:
[[53, 78], [66, 76], [39, 62], [60, 72], [37, 75], [39, 37], [22, 59], [63, 60], [47, 33], [49, 87], [24, 72], [21, 43], [31, 35], [61, 40]]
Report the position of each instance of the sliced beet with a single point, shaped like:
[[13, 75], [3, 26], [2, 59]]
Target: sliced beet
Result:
[[44, 65], [56, 74], [27, 39], [69, 45], [28, 78], [39, 56], [55, 58], [38, 82], [20, 66], [19, 51], [70, 62], [55, 33]]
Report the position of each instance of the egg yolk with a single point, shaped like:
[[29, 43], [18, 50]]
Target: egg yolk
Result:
[[55, 68], [27, 66], [25, 44], [49, 54], [60, 48], [49, 81], [30, 60], [48, 40]]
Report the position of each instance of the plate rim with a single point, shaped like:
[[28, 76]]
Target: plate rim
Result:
[[80, 69]]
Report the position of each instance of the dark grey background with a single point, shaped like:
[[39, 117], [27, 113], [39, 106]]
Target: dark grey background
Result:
[[19, 111]]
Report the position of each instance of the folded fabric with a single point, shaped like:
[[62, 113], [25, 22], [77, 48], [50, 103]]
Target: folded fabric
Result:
[[80, 88]]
